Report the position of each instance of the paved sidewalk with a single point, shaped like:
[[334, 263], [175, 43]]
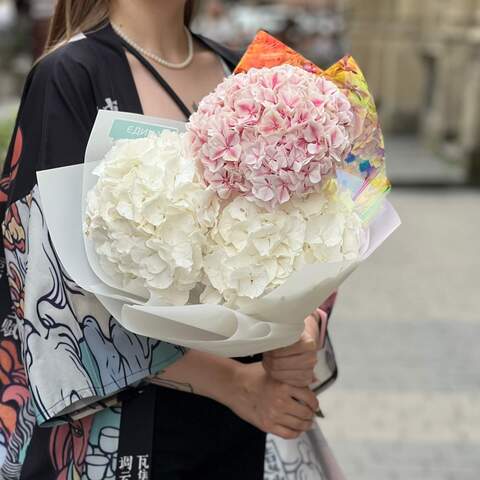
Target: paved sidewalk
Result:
[[407, 333], [408, 161]]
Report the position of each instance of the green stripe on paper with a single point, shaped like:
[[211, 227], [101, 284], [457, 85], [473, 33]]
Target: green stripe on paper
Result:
[[126, 129]]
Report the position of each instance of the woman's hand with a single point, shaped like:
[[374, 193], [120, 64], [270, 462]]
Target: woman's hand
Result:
[[294, 365], [248, 390], [270, 405]]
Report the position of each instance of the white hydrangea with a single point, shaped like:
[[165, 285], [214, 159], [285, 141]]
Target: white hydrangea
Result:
[[252, 250], [334, 230], [148, 217]]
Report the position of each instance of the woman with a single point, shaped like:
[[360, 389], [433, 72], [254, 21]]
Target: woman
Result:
[[119, 402]]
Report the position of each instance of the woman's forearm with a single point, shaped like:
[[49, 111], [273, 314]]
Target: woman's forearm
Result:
[[246, 389], [201, 373]]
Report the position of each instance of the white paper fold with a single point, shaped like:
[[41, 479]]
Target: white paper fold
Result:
[[273, 321]]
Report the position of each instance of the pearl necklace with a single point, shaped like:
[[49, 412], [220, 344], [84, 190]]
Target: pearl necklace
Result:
[[157, 58]]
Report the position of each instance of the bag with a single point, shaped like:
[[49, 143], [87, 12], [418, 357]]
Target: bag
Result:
[[308, 457]]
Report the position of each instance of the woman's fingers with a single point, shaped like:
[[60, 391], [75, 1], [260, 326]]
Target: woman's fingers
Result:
[[305, 344], [306, 396], [294, 423], [295, 378], [272, 405], [308, 342], [285, 432], [300, 410], [296, 370], [301, 361]]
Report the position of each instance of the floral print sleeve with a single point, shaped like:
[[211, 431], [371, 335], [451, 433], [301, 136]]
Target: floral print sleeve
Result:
[[62, 356], [74, 352]]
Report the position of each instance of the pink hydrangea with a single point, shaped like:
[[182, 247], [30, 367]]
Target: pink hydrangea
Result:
[[271, 133]]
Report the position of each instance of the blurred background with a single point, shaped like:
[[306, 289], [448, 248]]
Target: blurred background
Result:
[[407, 401]]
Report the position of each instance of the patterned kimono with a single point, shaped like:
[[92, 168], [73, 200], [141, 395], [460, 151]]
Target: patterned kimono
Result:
[[64, 361]]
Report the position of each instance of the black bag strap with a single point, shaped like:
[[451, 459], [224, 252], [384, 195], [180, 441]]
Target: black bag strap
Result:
[[230, 57], [153, 71], [137, 429]]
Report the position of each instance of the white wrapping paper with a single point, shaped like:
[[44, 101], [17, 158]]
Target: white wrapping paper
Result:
[[274, 321]]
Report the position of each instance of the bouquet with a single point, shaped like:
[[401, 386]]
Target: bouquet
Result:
[[222, 234]]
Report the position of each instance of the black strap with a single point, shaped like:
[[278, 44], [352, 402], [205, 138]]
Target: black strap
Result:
[[137, 427], [230, 57], [158, 78]]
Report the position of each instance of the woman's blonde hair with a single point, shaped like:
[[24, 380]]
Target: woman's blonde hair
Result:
[[72, 17]]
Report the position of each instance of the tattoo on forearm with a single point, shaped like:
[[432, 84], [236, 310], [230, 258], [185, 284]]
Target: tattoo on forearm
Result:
[[184, 387]]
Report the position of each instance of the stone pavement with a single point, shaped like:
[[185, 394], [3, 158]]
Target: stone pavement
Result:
[[410, 161], [407, 334]]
